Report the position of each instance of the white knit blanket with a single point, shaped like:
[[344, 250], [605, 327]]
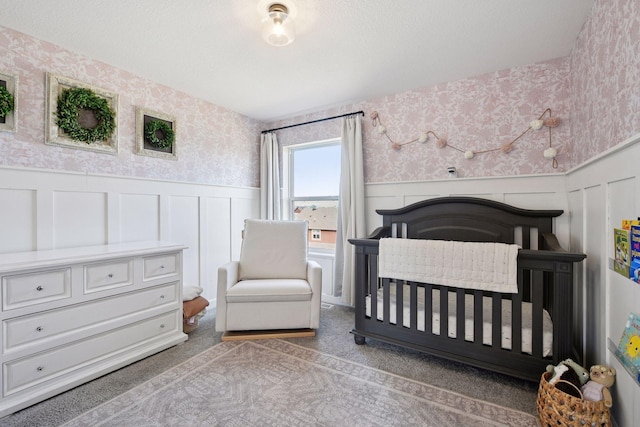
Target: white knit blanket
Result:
[[475, 265]]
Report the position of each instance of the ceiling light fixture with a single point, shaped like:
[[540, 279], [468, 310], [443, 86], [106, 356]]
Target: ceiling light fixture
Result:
[[278, 27]]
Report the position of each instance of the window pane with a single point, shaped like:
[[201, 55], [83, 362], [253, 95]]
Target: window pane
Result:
[[316, 171], [322, 216]]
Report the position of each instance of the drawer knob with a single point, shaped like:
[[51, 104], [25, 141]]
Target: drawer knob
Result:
[[162, 326], [39, 288], [162, 266], [40, 368], [39, 329], [110, 275], [161, 296]]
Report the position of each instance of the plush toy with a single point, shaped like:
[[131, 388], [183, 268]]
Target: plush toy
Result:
[[597, 388], [569, 372], [583, 373]]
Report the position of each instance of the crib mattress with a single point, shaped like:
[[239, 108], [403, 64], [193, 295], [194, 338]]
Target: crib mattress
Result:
[[547, 335]]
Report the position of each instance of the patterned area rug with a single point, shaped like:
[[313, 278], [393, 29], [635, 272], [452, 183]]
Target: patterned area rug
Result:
[[277, 383]]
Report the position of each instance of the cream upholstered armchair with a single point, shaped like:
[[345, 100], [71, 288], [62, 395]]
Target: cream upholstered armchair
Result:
[[273, 286]]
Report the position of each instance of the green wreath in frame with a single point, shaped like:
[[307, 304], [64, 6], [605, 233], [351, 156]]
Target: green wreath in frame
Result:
[[72, 102], [6, 102], [155, 127]]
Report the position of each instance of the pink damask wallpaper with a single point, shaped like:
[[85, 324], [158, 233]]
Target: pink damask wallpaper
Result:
[[475, 114], [214, 145], [605, 79], [594, 92]]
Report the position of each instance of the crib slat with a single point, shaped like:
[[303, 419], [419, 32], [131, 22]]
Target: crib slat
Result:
[[413, 306], [386, 301], [516, 316], [373, 286], [444, 311], [478, 318], [460, 314], [496, 320], [536, 319], [428, 308], [399, 303], [526, 237]]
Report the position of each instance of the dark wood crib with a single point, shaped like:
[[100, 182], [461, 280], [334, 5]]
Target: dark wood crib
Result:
[[404, 312]]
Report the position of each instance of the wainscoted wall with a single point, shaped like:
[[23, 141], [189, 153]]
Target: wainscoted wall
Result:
[[601, 193], [45, 209]]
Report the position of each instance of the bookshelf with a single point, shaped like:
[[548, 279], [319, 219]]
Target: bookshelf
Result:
[[628, 366], [613, 347]]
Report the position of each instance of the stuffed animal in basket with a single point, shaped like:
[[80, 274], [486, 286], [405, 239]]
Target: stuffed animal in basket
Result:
[[570, 371], [597, 388]]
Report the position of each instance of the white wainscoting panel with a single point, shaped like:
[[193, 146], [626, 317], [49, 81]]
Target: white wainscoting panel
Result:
[[527, 192], [79, 218], [139, 217], [17, 220], [602, 192], [56, 209], [217, 238], [184, 225]]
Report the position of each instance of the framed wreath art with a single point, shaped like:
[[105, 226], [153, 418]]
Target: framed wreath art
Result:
[[81, 116], [8, 102], [155, 134]]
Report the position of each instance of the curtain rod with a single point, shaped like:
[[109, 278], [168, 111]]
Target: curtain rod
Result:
[[314, 121]]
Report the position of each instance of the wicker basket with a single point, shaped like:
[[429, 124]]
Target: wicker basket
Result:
[[557, 408]]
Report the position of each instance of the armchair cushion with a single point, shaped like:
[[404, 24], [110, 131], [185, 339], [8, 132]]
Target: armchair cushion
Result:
[[269, 290], [274, 250]]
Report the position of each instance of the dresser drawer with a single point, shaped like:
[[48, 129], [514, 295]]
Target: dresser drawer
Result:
[[35, 288], [108, 275], [30, 371], [160, 265], [34, 328]]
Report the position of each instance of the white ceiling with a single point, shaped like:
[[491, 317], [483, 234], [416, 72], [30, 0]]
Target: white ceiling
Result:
[[345, 50]]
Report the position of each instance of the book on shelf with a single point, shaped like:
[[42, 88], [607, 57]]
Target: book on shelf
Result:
[[621, 251], [629, 347]]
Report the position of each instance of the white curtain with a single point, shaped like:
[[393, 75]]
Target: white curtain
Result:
[[351, 216], [269, 177]]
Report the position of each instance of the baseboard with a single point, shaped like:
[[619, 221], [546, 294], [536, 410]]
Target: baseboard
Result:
[[269, 334]]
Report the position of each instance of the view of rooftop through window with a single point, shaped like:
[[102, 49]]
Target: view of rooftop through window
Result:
[[314, 188]]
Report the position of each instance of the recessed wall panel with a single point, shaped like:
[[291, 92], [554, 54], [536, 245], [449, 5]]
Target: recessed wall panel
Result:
[[185, 229], [139, 217], [17, 220], [79, 219]]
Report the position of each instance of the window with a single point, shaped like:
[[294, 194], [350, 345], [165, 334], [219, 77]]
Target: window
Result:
[[312, 184]]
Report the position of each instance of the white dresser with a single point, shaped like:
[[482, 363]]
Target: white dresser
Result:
[[71, 315]]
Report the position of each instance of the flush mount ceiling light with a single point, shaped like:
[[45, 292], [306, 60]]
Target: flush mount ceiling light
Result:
[[278, 27]]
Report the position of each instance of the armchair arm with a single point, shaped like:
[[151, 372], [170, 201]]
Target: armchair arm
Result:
[[314, 277], [227, 277]]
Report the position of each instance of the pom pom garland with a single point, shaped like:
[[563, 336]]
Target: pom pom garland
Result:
[[537, 124], [550, 122], [550, 153]]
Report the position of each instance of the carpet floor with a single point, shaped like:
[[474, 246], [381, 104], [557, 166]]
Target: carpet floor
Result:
[[333, 341]]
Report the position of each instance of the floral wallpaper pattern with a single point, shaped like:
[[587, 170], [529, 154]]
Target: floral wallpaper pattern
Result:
[[214, 145], [595, 92], [605, 79], [477, 114]]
